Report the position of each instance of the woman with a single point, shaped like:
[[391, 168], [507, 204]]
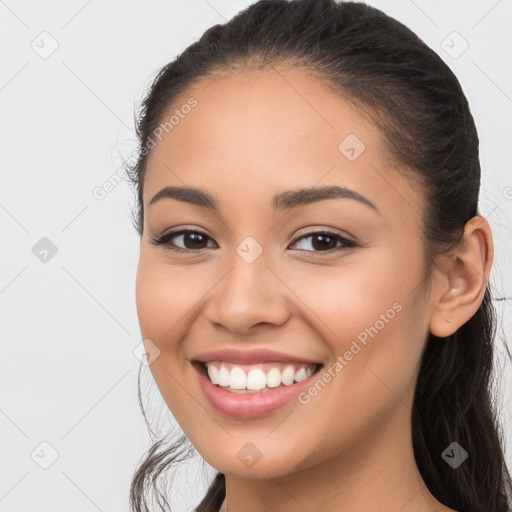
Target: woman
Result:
[[313, 268]]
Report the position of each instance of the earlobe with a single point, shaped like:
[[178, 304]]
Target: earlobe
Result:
[[463, 279]]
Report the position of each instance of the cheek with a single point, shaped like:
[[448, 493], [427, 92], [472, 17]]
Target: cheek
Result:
[[361, 317], [349, 299], [168, 298], [165, 298], [375, 330]]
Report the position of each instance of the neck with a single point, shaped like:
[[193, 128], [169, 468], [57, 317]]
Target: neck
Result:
[[378, 472]]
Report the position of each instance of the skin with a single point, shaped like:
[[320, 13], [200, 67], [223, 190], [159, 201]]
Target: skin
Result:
[[349, 448]]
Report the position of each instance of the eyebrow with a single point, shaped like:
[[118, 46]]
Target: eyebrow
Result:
[[282, 201]]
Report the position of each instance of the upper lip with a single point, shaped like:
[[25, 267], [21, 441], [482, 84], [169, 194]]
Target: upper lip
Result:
[[261, 355]]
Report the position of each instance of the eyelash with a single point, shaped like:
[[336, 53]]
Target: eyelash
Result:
[[165, 239]]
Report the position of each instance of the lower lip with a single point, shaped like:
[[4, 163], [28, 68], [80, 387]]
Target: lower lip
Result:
[[250, 405]]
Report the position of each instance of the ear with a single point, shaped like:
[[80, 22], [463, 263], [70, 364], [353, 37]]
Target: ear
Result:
[[461, 287]]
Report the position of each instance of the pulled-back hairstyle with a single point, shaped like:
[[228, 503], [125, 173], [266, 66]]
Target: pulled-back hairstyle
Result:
[[390, 75]]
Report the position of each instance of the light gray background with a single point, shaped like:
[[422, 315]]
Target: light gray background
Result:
[[69, 326]]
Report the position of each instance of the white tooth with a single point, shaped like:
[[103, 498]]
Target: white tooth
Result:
[[301, 375], [256, 379], [309, 372], [288, 375], [223, 377], [237, 378], [273, 378], [213, 373]]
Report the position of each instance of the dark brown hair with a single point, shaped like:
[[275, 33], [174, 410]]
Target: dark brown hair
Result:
[[389, 74]]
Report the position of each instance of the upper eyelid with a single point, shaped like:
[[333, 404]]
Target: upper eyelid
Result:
[[303, 232], [314, 229]]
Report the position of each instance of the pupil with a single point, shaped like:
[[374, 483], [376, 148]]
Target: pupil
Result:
[[194, 237], [323, 244]]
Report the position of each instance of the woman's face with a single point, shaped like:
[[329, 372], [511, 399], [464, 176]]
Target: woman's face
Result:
[[259, 278]]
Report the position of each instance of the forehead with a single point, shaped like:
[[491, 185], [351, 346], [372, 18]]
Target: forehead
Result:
[[258, 131]]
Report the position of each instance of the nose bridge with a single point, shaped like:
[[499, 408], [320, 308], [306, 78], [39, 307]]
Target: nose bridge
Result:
[[249, 293]]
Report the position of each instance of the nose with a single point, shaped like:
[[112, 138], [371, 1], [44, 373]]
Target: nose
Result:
[[248, 295]]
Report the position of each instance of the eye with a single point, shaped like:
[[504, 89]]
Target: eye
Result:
[[325, 241], [193, 240]]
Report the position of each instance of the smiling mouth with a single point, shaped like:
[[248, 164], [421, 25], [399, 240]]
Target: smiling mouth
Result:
[[256, 378]]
